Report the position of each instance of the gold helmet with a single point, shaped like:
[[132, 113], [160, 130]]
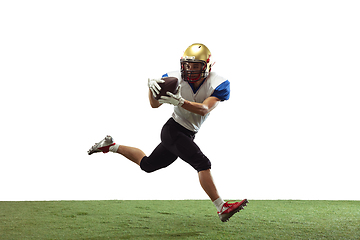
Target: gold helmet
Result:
[[195, 63]]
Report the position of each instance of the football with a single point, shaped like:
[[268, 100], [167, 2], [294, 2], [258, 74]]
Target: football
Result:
[[170, 85]]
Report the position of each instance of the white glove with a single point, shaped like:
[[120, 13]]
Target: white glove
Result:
[[174, 99], [154, 87]]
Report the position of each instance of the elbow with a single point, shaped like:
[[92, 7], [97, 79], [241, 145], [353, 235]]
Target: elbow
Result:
[[203, 112], [155, 104], [197, 108]]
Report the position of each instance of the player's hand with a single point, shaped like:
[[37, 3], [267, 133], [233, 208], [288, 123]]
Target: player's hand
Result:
[[154, 87], [174, 99]]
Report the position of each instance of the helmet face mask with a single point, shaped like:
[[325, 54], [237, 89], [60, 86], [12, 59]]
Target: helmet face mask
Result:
[[193, 71], [195, 63]]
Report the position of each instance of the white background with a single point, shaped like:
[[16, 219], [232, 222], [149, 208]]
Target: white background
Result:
[[74, 71]]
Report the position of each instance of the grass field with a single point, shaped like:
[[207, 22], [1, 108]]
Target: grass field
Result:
[[190, 219]]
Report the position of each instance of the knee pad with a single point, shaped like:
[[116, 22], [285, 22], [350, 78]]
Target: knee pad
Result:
[[145, 166], [200, 162], [204, 166]]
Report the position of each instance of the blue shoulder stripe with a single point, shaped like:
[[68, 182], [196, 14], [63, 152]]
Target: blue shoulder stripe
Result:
[[222, 91]]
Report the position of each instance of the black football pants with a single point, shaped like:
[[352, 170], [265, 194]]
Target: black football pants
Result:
[[176, 141]]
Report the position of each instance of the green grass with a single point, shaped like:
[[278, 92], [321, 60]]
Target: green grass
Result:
[[178, 220]]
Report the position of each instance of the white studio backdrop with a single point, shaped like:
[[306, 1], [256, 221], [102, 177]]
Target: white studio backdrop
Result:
[[74, 71]]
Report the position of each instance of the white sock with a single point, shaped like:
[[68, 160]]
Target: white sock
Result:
[[114, 148], [218, 204]]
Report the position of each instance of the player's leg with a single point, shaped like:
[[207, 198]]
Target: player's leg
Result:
[[225, 209], [108, 145], [180, 142], [188, 150], [159, 158], [131, 153], [207, 183]]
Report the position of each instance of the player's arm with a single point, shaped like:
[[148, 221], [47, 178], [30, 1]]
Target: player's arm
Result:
[[201, 108], [153, 102], [221, 93]]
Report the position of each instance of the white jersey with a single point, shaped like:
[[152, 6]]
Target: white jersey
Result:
[[214, 85]]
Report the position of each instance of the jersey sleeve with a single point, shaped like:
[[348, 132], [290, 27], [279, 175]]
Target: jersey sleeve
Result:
[[222, 91], [165, 75]]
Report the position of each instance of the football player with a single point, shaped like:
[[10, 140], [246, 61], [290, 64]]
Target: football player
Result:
[[199, 92]]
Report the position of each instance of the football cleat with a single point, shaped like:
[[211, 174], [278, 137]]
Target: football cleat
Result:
[[102, 146], [229, 209]]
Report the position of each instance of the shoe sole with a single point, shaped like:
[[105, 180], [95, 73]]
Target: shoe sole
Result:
[[226, 217]]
